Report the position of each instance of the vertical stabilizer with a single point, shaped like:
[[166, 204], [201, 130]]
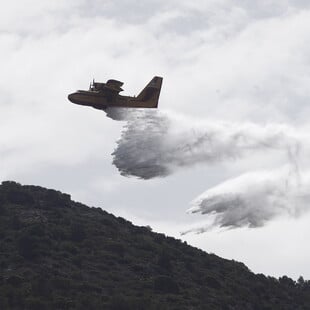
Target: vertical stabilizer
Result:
[[150, 94]]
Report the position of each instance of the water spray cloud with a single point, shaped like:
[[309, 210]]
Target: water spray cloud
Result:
[[253, 199], [155, 144]]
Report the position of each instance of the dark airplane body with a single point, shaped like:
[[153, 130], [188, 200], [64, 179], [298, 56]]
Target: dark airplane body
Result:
[[103, 95]]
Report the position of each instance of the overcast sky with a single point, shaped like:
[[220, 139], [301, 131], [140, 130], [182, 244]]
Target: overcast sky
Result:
[[233, 62]]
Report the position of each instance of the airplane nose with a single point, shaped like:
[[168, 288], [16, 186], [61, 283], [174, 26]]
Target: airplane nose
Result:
[[70, 97]]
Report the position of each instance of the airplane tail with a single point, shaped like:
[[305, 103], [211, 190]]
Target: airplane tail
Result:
[[151, 92]]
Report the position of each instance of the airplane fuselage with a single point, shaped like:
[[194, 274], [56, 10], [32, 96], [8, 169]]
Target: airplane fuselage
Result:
[[101, 101]]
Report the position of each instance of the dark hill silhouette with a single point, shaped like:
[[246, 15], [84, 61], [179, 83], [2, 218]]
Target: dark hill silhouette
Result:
[[59, 254]]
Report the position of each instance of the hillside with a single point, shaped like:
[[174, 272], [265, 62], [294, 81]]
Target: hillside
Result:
[[59, 254]]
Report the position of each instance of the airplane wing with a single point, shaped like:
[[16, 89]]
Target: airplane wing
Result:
[[114, 85]]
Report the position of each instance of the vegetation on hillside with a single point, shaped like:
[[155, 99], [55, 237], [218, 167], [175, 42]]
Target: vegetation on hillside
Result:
[[60, 254]]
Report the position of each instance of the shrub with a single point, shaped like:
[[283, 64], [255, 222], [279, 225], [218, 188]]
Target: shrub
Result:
[[166, 285], [164, 261], [78, 233], [27, 247], [19, 197]]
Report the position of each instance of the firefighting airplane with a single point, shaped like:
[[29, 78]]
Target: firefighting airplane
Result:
[[103, 95]]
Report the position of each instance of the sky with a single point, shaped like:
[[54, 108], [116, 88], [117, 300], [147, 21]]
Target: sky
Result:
[[230, 136]]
